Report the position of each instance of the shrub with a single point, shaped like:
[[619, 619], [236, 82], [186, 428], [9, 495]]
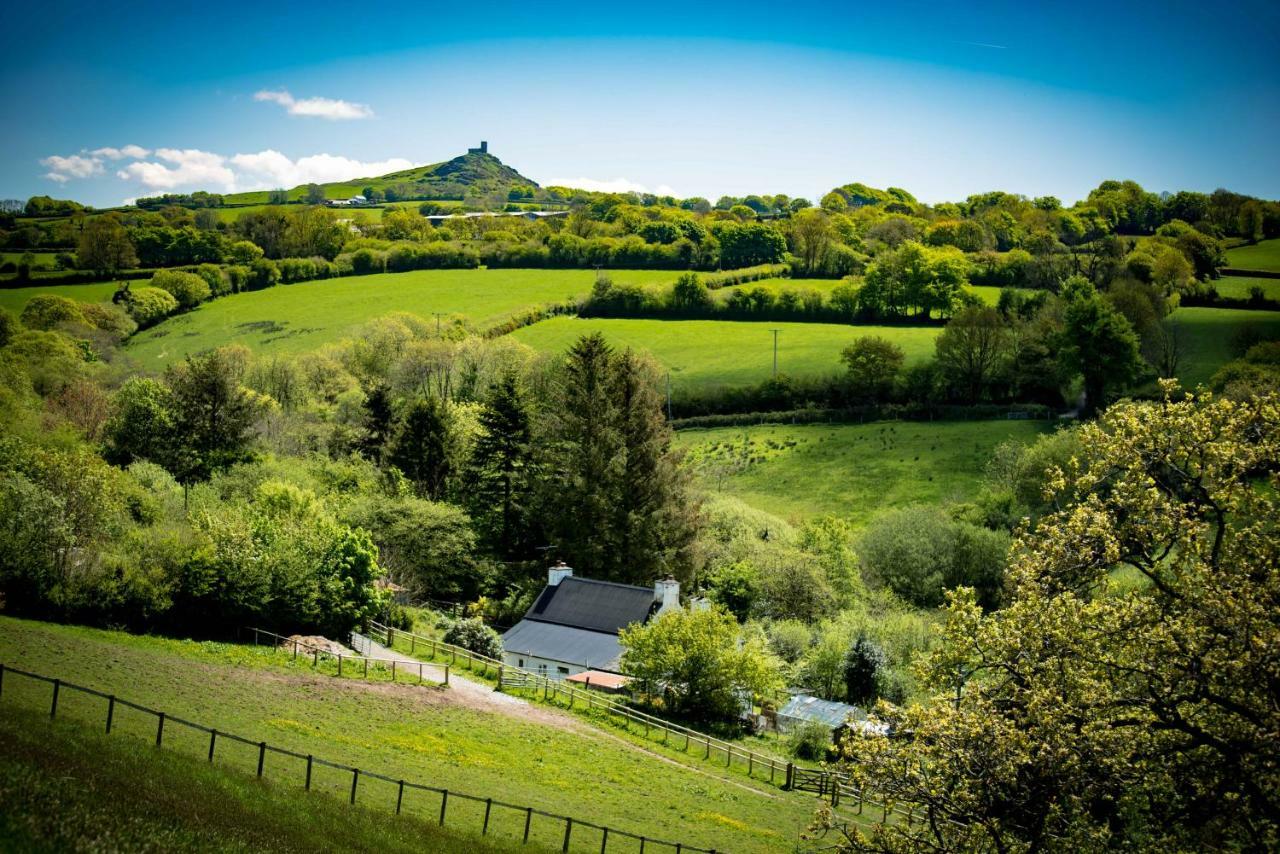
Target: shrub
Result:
[[244, 252], [263, 273], [187, 288], [474, 635], [148, 306], [219, 284], [809, 740], [45, 311]]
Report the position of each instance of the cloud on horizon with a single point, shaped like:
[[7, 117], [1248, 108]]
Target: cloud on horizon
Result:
[[64, 169], [324, 108], [613, 185]]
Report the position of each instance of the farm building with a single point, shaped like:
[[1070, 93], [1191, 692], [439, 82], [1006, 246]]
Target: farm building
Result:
[[573, 625], [802, 709]]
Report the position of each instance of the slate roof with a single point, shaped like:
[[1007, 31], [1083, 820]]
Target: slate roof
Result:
[[582, 647], [584, 603]]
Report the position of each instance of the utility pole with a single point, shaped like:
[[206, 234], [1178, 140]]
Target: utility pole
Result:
[[668, 395], [437, 314], [775, 353]]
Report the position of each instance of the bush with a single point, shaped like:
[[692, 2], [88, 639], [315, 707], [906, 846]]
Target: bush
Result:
[[263, 274], [45, 311], [187, 288], [809, 740], [148, 306], [474, 635]]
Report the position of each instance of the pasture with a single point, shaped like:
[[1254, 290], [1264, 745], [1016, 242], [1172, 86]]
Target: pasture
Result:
[[989, 295], [853, 471], [303, 316], [449, 738], [1238, 287], [1263, 255], [1215, 336], [15, 298], [705, 353]]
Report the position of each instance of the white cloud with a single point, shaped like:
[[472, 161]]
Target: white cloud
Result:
[[63, 169], [323, 108], [614, 185], [128, 152], [193, 169]]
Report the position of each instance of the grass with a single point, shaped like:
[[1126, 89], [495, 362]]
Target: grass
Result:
[[850, 470], [705, 353], [1214, 336], [424, 734], [14, 299], [989, 295], [1238, 286], [303, 316], [1263, 255], [61, 785]]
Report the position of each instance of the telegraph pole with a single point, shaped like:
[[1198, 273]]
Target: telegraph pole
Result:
[[775, 353], [437, 314], [668, 395]]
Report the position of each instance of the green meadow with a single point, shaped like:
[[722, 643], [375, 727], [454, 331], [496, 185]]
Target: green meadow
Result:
[[1263, 255], [1215, 336], [14, 299], [1238, 287], [849, 470], [703, 353], [445, 737]]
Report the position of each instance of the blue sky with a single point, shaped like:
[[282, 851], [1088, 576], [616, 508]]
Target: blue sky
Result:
[[945, 99]]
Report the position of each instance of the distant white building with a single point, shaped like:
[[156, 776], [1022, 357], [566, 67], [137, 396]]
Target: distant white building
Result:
[[573, 625]]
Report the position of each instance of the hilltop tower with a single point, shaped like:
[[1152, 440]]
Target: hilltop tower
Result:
[[483, 149]]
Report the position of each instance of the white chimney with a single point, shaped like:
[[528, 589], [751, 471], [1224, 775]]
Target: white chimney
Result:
[[666, 593], [558, 573]]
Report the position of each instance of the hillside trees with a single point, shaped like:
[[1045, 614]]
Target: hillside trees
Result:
[[873, 365], [501, 475], [1125, 695], [1098, 343], [422, 446], [104, 247], [972, 348]]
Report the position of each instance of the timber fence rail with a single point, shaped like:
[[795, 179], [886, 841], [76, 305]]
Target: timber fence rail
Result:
[[836, 787], [359, 662], [590, 835]]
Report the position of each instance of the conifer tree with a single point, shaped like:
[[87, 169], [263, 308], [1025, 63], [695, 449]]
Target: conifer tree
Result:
[[421, 447], [377, 423], [501, 468]]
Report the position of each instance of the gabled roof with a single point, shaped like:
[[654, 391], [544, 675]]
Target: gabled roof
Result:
[[599, 606], [581, 647]]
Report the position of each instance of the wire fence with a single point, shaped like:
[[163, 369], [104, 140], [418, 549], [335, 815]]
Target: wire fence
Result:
[[825, 783], [562, 831], [380, 665]]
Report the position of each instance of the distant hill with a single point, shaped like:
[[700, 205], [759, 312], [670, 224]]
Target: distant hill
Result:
[[474, 174]]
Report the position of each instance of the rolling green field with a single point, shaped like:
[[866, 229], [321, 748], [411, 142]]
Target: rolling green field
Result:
[[15, 298], [294, 318], [525, 755], [849, 470], [725, 352], [60, 783], [1238, 286], [989, 295], [1263, 255], [1213, 337]]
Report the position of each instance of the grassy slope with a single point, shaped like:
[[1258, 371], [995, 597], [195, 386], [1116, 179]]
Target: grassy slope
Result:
[[849, 470], [1264, 255], [294, 318], [402, 731], [1212, 337], [60, 783], [988, 295], [1238, 286], [722, 352], [15, 298]]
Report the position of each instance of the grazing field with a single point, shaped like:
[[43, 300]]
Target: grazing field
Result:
[[466, 741], [1238, 287], [1215, 336], [989, 295], [849, 470], [294, 318], [702, 353], [60, 783], [1263, 255], [15, 298]]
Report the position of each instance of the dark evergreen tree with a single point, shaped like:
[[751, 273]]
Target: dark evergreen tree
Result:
[[863, 664], [501, 469], [421, 447], [378, 423], [213, 416]]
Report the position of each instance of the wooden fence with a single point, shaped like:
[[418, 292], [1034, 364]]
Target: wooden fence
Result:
[[825, 783], [318, 654], [610, 838]]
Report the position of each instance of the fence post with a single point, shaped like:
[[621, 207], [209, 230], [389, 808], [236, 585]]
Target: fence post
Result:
[[390, 635], [53, 707], [528, 819], [791, 776], [446, 676], [419, 672], [316, 663], [339, 664], [708, 756], [160, 729], [111, 710], [355, 778], [488, 806], [295, 650], [444, 802], [213, 739], [568, 829], [499, 677], [393, 670], [413, 644], [308, 784], [604, 840], [262, 755], [366, 667], [751, 762], [1, 679], [399, 797]]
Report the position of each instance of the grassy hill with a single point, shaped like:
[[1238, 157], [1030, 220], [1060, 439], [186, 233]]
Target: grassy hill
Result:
[[525, 755], [467, 174], [1263, 255], [850, 470]]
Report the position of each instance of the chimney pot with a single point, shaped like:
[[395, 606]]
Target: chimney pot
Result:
[[558, 572]]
